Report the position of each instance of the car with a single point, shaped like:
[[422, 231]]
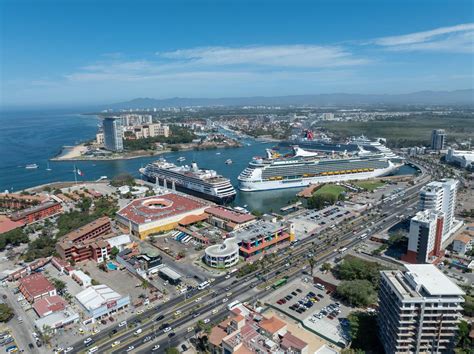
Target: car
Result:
[[114, 331], [159, 318], [81, 331], [123, 323], [30, 345], [184, 347], [156, 347], [59, 350], [198, 299], [167, 329], [34, 334], [177, 313], [137, 332], [114, 344], [227, 276], [68, 349], [225, 299], [147, 339], [130, 348], [164, 325], [12, 349], [298, 290], [190, 329], [88, 341], [294, 293], [196, 314], [140, 312], [93, 349], [215, 311], [207, 320], [320, 296], [172, 334], [95, 331]]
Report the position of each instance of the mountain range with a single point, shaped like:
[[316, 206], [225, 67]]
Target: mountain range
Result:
[[458, 97]]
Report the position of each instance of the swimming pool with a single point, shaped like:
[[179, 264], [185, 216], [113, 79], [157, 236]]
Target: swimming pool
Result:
[[111, 266]]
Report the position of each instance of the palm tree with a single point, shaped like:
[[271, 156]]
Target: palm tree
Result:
[[145, 285], [312, 263]]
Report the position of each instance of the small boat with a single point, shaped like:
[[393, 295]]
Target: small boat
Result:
[[47, 167], [228, 162], [31, 166], [181, 159], [218, 153]]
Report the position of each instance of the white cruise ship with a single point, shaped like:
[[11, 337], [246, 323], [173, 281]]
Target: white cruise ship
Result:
[[206, 184], [306, 167]]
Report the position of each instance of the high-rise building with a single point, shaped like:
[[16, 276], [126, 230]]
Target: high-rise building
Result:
[[419, 310], [438, 139], [425, 237], [113, 134], [440, 196]]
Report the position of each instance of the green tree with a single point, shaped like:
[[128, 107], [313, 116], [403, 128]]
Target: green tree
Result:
[[312, 263], [46, 334], [59, 285], [6, 313], [145, 285], [172, 350], [357, 292], [463, 339], [114, 252], [326, 266]]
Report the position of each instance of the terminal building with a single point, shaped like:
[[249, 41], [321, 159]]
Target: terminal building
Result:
[[419, 310], [249, 241], [149, 215]]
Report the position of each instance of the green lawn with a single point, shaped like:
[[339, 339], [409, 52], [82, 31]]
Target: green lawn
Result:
[[330, 189], [369, 185]]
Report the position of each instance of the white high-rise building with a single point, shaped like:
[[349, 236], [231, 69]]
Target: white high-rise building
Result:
[[113, 134], [425, 237], [440, 196], [419, 310], [438, 139]]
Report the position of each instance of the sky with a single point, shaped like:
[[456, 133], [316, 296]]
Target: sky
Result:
[[70, 52]]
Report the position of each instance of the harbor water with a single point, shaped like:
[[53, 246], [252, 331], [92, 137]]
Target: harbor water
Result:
[[35, 137]]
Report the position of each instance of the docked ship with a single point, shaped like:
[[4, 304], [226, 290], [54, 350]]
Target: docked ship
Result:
[[306, 167], [206, 184]]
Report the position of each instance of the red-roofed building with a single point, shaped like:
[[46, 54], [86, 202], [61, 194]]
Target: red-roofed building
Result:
[[62, 265], [228, 219], [49, 304], [38, 212], [292, 344], [36, 286], [7, 225], [273, 327], [145, 216]]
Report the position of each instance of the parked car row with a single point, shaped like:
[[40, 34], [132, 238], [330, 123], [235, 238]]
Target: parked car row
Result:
[[331, 311]]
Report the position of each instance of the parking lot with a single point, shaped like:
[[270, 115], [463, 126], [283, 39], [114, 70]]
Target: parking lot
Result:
[[312, 221], [314, 307]]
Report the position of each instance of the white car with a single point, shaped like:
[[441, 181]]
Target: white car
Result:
[[140, 312], [87, 340], [227, 276], [198, 299], [167, 329], [156, 347], [207, 320], [137, 332], [114, 344], [68, 349], [123, 323], [225, 299], [130, 348]]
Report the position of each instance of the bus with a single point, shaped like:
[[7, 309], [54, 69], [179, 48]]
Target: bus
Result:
[[233, 305], [279, 283], [342, 249], [203, 285], [363, 236]]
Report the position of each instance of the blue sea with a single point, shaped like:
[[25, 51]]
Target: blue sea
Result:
[[36, 136]]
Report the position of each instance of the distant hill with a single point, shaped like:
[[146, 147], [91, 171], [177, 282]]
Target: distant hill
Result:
[[458, 97]]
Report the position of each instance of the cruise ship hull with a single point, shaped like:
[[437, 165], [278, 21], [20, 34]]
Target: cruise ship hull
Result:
[[183, 189], [253, 186]]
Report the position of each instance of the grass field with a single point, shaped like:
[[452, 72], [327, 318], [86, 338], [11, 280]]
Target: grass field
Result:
[[407, 131], [369, 185], [330, 189]]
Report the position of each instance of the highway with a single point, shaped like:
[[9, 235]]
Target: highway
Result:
[[244, 289]]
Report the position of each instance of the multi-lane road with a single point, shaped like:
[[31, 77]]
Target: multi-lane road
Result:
[[203, 304]]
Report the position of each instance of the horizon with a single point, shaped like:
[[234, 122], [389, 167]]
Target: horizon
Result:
[[91, 54]]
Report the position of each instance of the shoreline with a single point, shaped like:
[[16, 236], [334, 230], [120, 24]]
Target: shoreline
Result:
[[76, 153]]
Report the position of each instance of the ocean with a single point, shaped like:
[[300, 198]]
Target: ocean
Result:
[[36, 136]]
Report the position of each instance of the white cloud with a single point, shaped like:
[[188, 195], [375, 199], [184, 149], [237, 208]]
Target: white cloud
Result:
[[297, 56], [459, 38]]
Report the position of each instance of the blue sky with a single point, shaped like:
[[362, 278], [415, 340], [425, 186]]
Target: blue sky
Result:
[[87, 52]]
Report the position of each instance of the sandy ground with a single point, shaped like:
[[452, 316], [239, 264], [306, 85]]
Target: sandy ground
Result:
[[75, 152]]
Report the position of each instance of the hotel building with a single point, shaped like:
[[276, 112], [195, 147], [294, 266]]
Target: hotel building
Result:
[[113, 134], [419, 310]]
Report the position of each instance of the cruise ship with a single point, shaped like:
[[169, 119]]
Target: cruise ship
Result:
[[306, 167], [206, 184]]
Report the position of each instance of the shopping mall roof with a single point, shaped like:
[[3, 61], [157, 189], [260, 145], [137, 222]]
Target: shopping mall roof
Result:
[[256, 229], [225, 249], [96, 296], [159, 207]]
